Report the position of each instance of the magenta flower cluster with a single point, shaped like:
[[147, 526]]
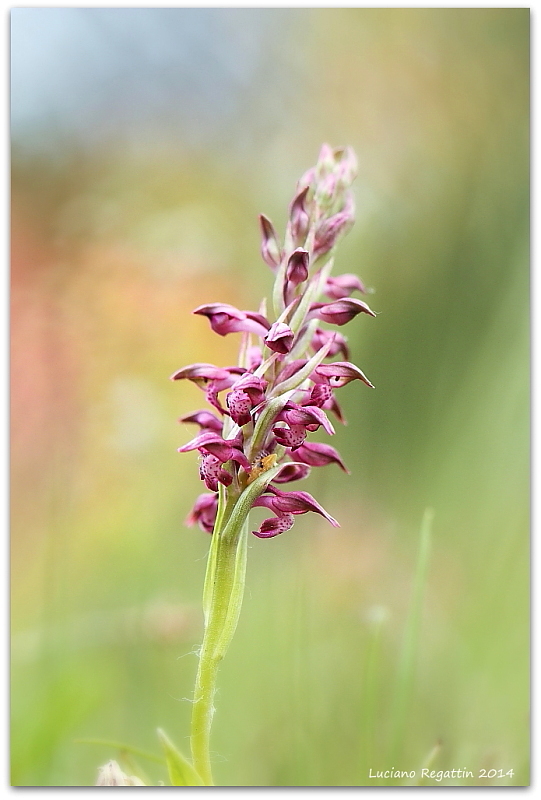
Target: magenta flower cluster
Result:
[[264, 409]]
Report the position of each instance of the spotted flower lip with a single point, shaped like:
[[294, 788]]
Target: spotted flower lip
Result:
[[274, 526], [340, 373], [212, 472], [247, 393], [291, 437], [240, 406], [322, 396], [215, 452], [311, 417], [225, 319], [300, 420], [254, 385], [340, 312]]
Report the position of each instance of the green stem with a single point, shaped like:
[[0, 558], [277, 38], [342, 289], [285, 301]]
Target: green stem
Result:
[[224, 590], [222, 600]]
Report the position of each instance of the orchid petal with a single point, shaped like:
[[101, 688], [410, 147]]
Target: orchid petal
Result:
[[318, 455], [339, 312]]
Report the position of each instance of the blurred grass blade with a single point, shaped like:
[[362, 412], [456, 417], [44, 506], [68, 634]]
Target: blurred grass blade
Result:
[[122, 748], [406, 667], [131, 766], [377, 618], [428, 762], [181, 772]]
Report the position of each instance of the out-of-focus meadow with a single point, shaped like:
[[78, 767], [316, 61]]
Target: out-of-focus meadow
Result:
[[145, 143]]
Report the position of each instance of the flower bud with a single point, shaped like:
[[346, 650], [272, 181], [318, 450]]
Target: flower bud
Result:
[[280, 338], [270, 246], [299, 217], [333, 227], [325, 161], [347, 166], [297, 266], [307, 179], [327, 190]]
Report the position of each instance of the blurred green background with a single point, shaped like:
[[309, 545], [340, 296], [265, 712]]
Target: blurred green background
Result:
[[145, 143]]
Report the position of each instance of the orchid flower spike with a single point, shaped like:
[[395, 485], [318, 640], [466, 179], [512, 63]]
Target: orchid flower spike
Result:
[[264, 411]]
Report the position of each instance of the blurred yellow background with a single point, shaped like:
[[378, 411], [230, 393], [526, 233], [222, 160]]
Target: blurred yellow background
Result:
[[145, 143]]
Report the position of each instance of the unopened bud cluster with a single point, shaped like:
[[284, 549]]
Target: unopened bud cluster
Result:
[[264, 409]]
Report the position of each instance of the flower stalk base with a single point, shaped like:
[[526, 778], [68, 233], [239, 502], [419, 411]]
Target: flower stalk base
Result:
[[223, 594]]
